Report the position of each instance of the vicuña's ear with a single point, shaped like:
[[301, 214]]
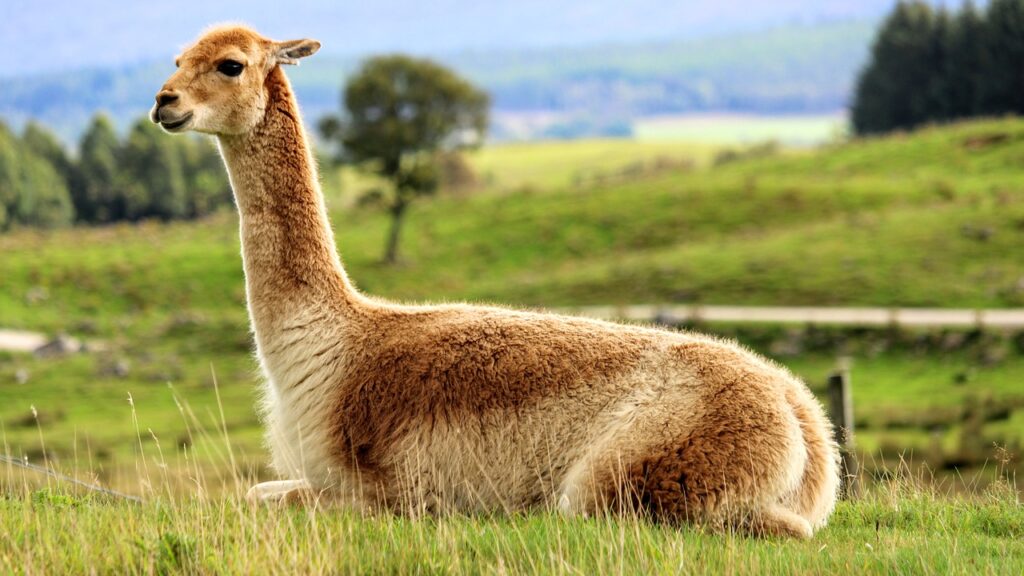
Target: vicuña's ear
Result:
[[289, 51]]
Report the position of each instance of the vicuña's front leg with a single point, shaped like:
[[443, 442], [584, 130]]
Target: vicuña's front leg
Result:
[[281, 492]]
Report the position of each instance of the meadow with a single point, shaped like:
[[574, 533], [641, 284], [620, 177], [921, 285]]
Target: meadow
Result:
[[894, 532], [163, 404]]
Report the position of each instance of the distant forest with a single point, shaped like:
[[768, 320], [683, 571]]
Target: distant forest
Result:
[[144, 175], [932, 65], [598, 90]]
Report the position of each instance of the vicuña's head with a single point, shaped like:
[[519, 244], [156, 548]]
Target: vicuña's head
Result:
[[219, 87]]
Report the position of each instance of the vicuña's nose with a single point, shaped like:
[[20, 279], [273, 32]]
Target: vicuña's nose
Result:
[[166, 97]]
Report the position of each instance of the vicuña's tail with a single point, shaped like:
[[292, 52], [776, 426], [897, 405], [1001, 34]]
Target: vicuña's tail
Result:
[[815, 496]]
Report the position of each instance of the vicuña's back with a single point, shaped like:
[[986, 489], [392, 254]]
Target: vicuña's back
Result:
[[457, 407]]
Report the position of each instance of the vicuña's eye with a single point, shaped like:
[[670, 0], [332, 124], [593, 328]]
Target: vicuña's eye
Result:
[[230, 68]]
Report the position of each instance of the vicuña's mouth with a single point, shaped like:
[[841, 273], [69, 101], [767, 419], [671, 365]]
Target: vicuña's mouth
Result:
[[175, 124]]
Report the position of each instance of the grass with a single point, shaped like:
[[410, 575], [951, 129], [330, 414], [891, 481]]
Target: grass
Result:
[[551, 166], [929, 219], [753, 233], [922, 220], [193, 520], [906, 405], [891, 531], [558, 165], [933, 218]]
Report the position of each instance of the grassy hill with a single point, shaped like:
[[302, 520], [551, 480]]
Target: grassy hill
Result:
[[924, 220], [931, 219], [934, 218]]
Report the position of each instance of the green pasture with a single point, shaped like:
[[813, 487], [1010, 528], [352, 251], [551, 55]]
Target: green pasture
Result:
[[934, 218]]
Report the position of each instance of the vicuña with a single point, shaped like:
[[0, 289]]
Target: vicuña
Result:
[[427, 409]]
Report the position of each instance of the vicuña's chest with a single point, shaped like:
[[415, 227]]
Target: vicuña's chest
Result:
[[303, 364], [300, 352]]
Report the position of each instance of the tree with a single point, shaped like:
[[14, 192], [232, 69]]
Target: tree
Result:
[[399, 112], [10, 177], [1002, 86], [145, 176], [153, 182], [32, 193], [893, 91], [43, 143], [205, 179], [98, 199], [937, 91], [966, 62]]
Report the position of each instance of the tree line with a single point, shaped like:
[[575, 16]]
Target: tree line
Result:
[[109, 179], [931, 65]]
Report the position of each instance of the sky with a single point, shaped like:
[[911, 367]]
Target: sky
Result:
[[39, 36]]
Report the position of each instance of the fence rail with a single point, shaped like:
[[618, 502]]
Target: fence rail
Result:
[[1006, 318]]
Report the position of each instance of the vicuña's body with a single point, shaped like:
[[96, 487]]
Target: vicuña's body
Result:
[[468, 408]]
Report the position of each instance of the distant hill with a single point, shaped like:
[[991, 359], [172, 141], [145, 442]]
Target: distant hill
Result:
[[60, 35], [580, 91]]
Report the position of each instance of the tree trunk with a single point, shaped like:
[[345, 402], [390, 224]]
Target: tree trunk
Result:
[[397, 214]]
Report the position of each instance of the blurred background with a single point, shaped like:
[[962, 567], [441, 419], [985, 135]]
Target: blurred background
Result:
[[836, 184]]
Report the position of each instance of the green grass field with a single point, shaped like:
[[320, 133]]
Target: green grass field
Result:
[[934, 218], [558, 165], [547, 166], [930, 219], [48, 531]]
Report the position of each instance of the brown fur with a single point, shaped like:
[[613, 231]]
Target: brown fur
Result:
[[721, 459], [425, 366], [475, 408]]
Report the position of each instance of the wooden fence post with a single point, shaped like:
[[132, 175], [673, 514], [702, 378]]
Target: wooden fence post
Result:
[[840, 394]]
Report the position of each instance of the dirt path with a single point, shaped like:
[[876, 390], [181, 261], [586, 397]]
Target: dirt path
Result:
[[24, 341], [40, 344], [910, 317], [21, 341]]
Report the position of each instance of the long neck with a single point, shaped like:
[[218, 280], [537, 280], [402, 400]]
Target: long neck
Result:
[[291, 264]]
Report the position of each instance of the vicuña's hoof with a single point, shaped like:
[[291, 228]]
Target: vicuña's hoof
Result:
[[781, 523], [283, 492]]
